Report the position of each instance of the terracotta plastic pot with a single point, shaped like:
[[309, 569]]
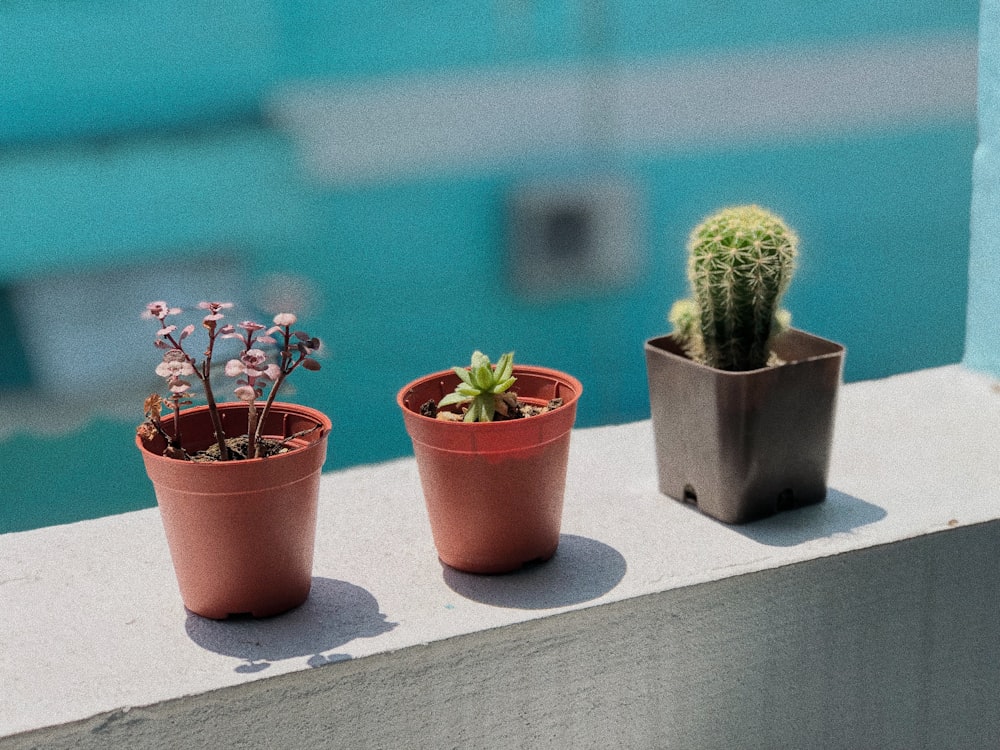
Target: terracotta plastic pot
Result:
[[494, 490], [743, 445], [241, 533]]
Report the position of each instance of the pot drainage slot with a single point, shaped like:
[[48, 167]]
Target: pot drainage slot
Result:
[[690, 496], [786, 500]]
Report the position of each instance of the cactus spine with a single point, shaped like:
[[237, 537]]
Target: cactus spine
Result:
[[740, 263]]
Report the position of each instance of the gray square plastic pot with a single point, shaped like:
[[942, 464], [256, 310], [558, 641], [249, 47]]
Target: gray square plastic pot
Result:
[[744, 445]]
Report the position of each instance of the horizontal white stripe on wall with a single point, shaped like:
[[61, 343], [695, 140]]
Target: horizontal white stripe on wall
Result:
[[470, 120]]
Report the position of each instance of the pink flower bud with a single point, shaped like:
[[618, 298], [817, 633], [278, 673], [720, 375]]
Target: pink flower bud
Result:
[[174, 369], [178, 386], [253, 357], [284, 319], [159, 310]]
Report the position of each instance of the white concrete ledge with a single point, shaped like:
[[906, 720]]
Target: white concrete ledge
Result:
[[848, 624]]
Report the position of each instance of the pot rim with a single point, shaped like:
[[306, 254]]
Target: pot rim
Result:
[[834, 349], [278, 407], [558, 376]]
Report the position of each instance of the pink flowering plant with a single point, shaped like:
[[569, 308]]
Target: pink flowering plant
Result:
[[254, 370]]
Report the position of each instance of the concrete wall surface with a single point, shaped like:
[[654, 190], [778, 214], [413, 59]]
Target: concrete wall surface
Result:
[[867, 621], [890, 647]]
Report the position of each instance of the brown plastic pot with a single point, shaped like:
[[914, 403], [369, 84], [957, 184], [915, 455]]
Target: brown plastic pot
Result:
[[494, 490], [743, 445], [241, 533]]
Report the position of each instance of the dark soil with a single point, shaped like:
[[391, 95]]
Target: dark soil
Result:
[[238, 449], [516, 409]]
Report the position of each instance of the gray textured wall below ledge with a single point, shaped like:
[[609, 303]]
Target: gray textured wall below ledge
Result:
[[886, 647]]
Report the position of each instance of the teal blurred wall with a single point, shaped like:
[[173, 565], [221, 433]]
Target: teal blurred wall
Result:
[[983, 333], [142, 137]]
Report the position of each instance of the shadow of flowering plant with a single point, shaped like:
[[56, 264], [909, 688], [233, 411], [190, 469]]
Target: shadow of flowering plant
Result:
[[253, 371]]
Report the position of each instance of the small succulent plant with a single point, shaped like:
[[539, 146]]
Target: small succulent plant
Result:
[[483, 387], [251, 369], [740, 263]]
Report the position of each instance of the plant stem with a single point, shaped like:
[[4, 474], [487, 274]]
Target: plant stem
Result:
[[204, 375], [267, 407], [252, 427], [286, 355], [213, 409], [175, 442]]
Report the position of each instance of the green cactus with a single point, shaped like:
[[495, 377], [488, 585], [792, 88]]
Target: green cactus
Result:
[[687, 328], [740, 263]]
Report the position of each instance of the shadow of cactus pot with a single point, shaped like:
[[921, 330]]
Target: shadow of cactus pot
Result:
[[744, 445]]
